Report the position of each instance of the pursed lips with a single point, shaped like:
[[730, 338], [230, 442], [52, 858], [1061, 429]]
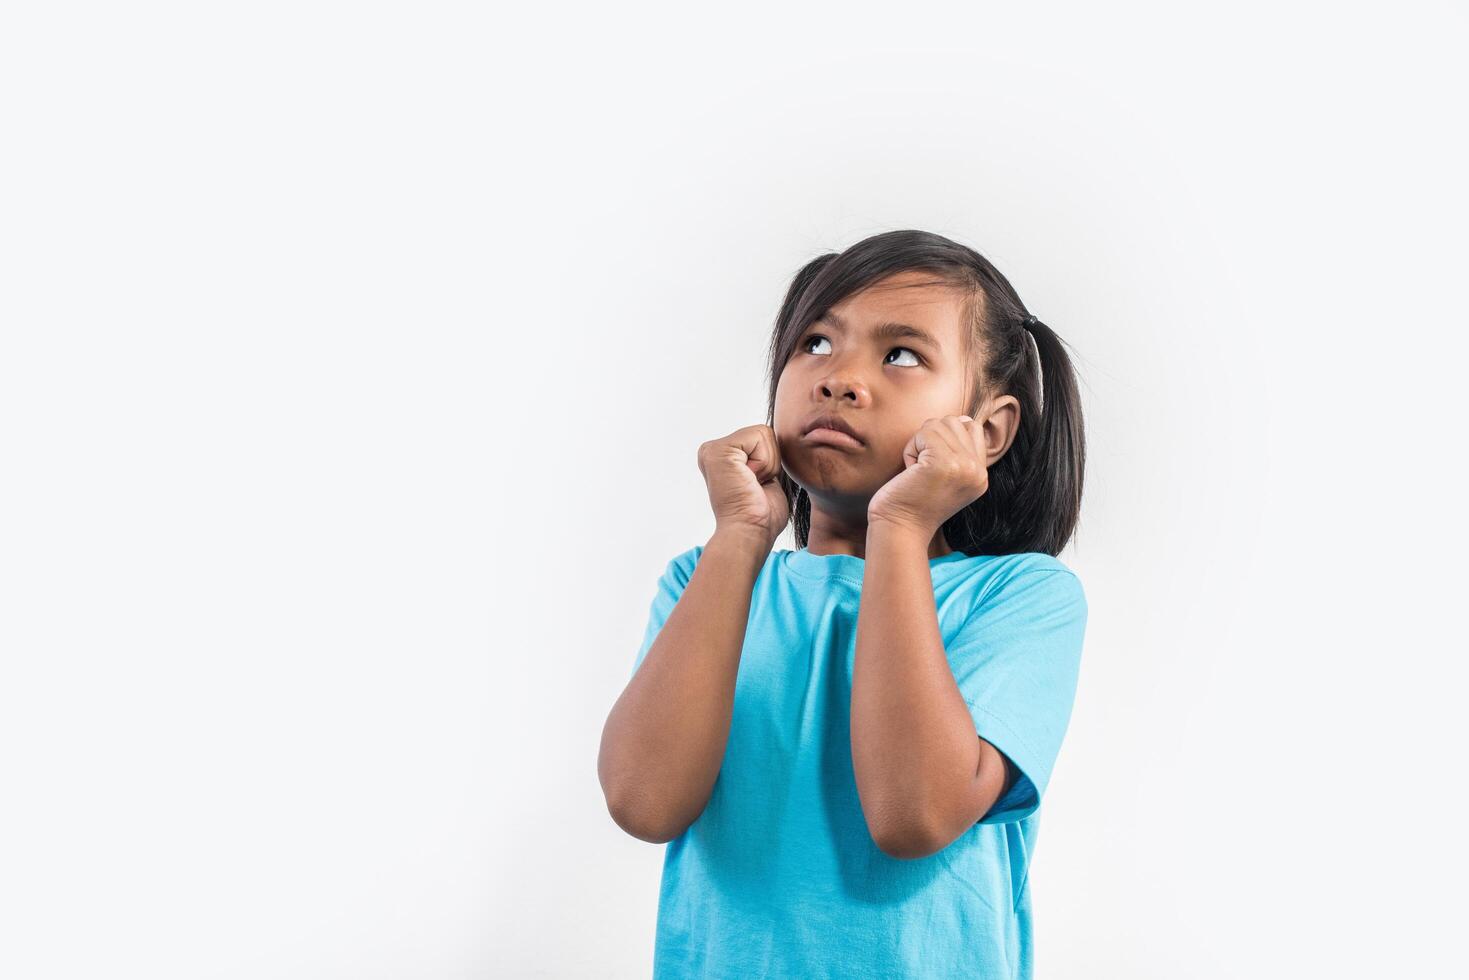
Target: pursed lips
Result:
[[832, 432]]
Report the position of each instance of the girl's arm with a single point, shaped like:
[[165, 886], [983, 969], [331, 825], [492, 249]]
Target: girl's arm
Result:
[[924, 776], [664, 739]]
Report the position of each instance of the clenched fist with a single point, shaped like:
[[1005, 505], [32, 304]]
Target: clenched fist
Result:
[[944, 470], [740, 471]]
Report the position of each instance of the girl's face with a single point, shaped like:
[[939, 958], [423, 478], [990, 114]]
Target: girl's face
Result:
[[884, 360]]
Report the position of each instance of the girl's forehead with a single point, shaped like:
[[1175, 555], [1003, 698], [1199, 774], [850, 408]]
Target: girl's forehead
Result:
[[935, 303], [931, 314]]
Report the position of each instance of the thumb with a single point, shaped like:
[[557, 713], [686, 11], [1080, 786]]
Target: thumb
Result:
[[763, 454], [913, 449]]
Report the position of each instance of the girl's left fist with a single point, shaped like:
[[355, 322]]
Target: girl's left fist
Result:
[[944, 471]]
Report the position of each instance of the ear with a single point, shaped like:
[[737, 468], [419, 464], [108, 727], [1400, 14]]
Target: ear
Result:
[[1001, 421]]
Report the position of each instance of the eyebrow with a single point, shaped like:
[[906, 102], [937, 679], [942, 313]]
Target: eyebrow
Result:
[[886, 331]]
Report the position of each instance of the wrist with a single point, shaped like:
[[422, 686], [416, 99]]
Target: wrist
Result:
[[887, 528], [749, 540]]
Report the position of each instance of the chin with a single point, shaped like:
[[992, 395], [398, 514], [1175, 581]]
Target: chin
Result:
[[836, 478]]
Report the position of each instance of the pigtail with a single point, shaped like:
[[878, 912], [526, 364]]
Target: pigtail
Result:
[[1057, 465], [1034, 498]]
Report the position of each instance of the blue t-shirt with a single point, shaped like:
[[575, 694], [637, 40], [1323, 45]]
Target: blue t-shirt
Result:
[[779, 876]]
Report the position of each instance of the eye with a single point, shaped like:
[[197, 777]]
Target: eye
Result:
[[806, 348]]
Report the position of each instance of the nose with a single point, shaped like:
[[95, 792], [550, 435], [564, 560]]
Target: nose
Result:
[[843, 385]]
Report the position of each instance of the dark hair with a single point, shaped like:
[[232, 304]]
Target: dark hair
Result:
[[1034, 498]]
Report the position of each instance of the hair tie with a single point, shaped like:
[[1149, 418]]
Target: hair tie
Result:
[[1028, 322]]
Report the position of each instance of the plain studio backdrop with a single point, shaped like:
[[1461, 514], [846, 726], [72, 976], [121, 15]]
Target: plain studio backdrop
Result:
[[355, 359]]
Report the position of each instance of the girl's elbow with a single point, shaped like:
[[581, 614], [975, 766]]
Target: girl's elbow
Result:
[[645, 823]]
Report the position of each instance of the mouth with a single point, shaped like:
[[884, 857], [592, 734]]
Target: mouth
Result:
[[832, 430], [822, 436]]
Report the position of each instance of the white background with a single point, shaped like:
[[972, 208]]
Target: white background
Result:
[[355, 357]]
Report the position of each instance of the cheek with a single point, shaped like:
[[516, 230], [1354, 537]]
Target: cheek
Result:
[[785, 391]]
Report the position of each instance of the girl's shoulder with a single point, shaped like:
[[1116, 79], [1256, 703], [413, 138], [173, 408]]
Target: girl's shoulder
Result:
[[1028, 562], [684, 562], [992, 578], [1009, 566]]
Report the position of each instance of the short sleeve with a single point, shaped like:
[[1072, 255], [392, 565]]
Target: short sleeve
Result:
[[671, 583], [1016, 659]]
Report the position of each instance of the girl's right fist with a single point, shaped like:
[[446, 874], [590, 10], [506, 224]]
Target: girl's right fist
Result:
[[740, 471]]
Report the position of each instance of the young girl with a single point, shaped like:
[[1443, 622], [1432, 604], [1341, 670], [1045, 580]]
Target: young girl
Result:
[[800, 726]]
